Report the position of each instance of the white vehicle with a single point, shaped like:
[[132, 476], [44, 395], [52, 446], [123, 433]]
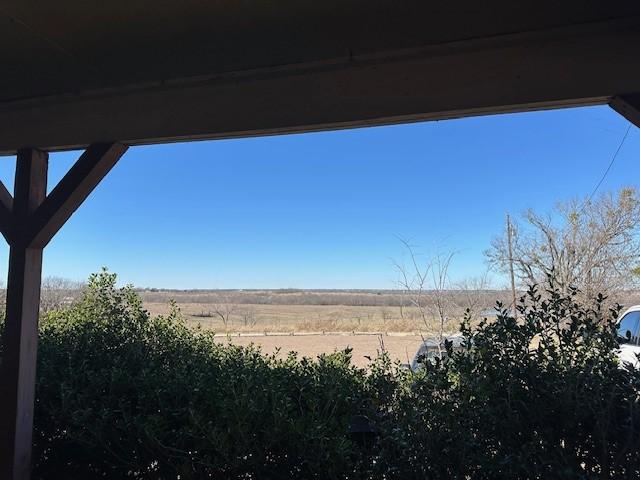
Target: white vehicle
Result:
[[629, 335]]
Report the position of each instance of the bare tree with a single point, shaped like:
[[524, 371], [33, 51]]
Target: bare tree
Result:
[[58, 292], [472, 294], [224, 312], [249, 318], [425, 286], [591, 245]]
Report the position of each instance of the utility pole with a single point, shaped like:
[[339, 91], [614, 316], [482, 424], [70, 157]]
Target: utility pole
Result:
[[513, 280]]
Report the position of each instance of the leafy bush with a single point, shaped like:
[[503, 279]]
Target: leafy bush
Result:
[[121, 394], [540, 397]]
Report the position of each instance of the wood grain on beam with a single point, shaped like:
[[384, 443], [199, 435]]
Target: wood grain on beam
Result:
[[72, 190], [628, 106], [18, 368]]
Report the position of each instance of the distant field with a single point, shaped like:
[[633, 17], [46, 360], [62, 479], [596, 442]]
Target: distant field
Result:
[[299, 318], [309, 311], [335, 316]]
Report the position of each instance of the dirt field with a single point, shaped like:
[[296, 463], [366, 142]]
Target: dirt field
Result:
[[321, 321], [399, 347]]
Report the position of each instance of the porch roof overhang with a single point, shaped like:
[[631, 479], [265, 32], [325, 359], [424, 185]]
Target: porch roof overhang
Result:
[[146, 71], [104, 75]]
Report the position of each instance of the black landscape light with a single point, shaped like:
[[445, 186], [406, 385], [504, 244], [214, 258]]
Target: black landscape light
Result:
[[362, 431]]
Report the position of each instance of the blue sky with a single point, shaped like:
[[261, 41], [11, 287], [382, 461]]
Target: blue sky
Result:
[[324, 210]]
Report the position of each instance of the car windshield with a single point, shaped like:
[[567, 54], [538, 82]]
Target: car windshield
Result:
[[628, 328], [429, 350]]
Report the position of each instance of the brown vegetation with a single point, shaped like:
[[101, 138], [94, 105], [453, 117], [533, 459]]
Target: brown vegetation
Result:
[[313, 310]]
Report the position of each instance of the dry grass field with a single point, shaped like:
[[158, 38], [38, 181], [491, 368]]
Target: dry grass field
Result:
[[295, 318], [310, 310], [338, 322], [277, 320]]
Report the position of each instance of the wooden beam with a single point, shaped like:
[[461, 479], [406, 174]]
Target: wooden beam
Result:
[[479, 76], [6, 208], [628, 106], [72, 190], [18, 369]]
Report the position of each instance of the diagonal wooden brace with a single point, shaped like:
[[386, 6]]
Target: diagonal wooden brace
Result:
[[72, 190]]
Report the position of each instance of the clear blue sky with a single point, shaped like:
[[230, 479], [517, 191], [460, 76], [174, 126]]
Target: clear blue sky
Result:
[[323, 210]]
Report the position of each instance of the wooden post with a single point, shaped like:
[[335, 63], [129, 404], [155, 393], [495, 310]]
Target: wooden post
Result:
[[28, 221], [18, 370], [511, 274]]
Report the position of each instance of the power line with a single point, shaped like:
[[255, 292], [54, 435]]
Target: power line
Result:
[[613, 159]]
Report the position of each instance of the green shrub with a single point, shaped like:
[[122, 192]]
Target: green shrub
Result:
[[123, 395], [541, 397]]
